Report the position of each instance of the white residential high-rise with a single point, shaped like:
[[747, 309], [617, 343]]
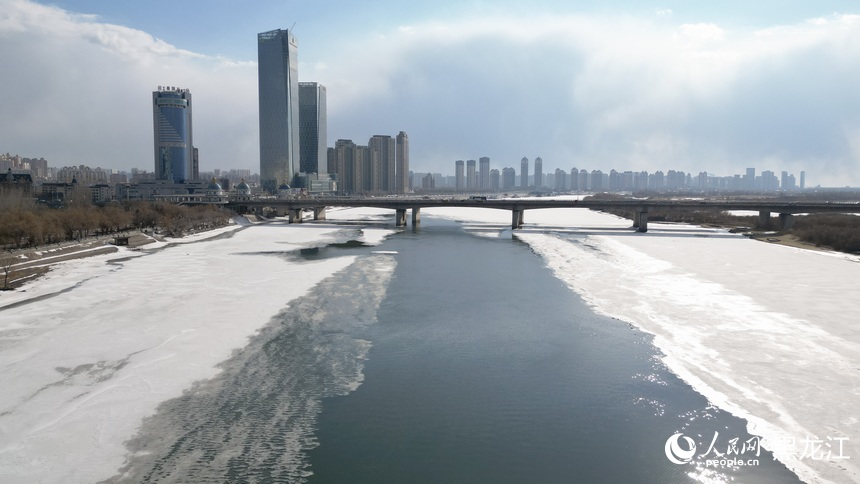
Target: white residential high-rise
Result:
[[460, 174], [484, 173], [524, 173], [471, 174]]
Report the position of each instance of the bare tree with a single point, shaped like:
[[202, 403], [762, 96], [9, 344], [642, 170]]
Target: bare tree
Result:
[[14, 198]]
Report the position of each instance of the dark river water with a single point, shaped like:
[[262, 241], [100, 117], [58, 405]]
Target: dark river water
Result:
[[458, 358]]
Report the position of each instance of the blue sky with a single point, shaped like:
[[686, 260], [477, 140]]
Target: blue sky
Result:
[[597, 85]]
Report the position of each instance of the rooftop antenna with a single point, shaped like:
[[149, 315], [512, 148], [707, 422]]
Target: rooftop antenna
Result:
[[292, 27]]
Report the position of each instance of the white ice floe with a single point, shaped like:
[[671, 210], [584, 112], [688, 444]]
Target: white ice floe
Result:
[[79, 371]]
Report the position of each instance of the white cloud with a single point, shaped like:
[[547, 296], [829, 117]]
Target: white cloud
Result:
[[592, 91], [700, 33], [77, 91], [615, 92]]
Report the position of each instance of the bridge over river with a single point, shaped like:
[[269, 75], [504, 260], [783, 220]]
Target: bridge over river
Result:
[[293, 208]]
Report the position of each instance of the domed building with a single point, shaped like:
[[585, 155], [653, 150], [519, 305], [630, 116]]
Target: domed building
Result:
[[243, 189], [214, 188], [242, 192]]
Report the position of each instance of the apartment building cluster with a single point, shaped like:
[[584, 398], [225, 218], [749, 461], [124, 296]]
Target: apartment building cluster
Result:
[[470, 176]]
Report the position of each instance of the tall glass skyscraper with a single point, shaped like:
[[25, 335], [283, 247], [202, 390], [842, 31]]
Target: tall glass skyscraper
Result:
[[278, 78], [171, 122], [312, 128]]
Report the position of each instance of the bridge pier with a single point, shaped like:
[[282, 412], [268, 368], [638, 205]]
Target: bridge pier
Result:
[[400, 217], [319, 213], [764, 219], [640, 219], [517, 219], [416, 216], [295, 216], [786, 221]]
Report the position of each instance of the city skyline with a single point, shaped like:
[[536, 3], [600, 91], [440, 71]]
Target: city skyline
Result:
[[689, 88], [465, 178]]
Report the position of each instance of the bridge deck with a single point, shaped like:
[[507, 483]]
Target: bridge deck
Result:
[[531, 204]]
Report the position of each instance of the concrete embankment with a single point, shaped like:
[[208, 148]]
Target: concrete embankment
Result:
[[26, 264]]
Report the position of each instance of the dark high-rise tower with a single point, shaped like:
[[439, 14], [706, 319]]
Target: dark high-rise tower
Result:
[[277, 75], [171, 122], [538, 172], [347, 166], [379, 172], [312, 128]]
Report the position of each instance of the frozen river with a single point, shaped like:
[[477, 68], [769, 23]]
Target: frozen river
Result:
[[106, 356]]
